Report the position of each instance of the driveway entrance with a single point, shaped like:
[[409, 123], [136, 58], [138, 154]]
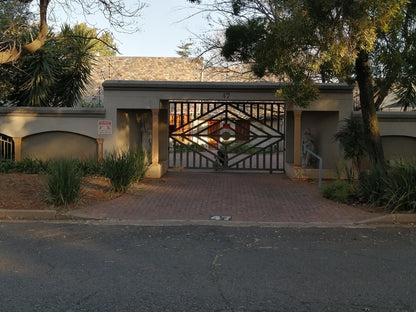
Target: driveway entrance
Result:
[[227, 135], [208, 196]]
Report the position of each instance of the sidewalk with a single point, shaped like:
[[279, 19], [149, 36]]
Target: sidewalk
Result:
[[243, 197]]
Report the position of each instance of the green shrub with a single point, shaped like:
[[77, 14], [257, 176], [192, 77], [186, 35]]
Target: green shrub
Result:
[[125, 167], [64, 181], [401, 190], [7, 166], [340, 191], [351, 137], [373, 185], [90, 167], [141, 163], [27, 165]]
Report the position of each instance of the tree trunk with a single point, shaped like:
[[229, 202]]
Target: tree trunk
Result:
[[14, 53], [368, 109]]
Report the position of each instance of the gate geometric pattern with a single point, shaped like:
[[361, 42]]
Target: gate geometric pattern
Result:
[[227, 135]]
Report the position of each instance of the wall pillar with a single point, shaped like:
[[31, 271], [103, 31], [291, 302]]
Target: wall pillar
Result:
[[155, 136], [100, 153], [297, 140], [155, 170], [17, 148]]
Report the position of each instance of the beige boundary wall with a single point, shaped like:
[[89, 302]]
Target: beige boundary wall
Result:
[[43, 132], [136, 113]]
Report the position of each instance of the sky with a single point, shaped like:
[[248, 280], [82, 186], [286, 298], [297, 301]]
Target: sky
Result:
[[163, 24]]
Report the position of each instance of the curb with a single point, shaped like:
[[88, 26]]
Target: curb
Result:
[[394, 218], [17, 214]]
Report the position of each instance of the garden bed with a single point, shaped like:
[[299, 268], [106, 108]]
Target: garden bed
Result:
[[29, 192]]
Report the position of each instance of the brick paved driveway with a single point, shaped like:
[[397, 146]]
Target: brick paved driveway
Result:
[[256, 197]]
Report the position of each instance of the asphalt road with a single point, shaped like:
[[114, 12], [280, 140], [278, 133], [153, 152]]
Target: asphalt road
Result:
[[95, 267]]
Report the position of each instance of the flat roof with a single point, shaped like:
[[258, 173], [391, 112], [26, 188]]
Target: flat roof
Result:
[[209, 86]]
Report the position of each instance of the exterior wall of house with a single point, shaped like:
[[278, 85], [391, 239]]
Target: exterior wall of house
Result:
[[398, 134]]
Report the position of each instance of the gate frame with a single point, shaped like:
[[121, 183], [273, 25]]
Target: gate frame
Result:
[[186, 112]]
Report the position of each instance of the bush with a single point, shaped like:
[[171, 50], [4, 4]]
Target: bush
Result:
[[90, 167], [27, 165], [340, 191], [141, 163], [124, 167], [64, 181], [372, 187], [401, 191]]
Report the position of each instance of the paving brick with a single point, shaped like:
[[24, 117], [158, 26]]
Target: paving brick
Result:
[[255, 197]]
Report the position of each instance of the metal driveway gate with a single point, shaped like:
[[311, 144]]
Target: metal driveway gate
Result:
[[227, 135]]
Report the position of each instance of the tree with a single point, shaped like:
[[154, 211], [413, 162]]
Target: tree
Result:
[[54, 75], [184, 49], [12, 47], [102, 41], [306, 40]]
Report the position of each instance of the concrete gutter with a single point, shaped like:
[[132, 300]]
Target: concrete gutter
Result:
[[18, 214], [394, 218]]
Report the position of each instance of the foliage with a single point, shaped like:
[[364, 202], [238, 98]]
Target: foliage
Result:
[[351, 137], [120, 15], [373, 186], [392, 60], [102, 41], [36, 166], [142, 163], [305, 41], [15, 19], [401, 191], [184, 49], [64, 181], [394, 190], [340, 191], [90, 167], [55, 75], [347, 172], [124, 167], [27, 165]]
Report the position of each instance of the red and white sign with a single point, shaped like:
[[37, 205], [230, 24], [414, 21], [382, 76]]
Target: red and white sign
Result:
[[105, 127]]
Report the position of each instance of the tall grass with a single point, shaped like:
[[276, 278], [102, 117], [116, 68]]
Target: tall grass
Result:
[[401, 192], [64, 181], [125, 167], [373, 185], [393, 189]]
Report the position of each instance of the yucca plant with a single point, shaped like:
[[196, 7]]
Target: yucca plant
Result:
[[77, 59], [64, 181]]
